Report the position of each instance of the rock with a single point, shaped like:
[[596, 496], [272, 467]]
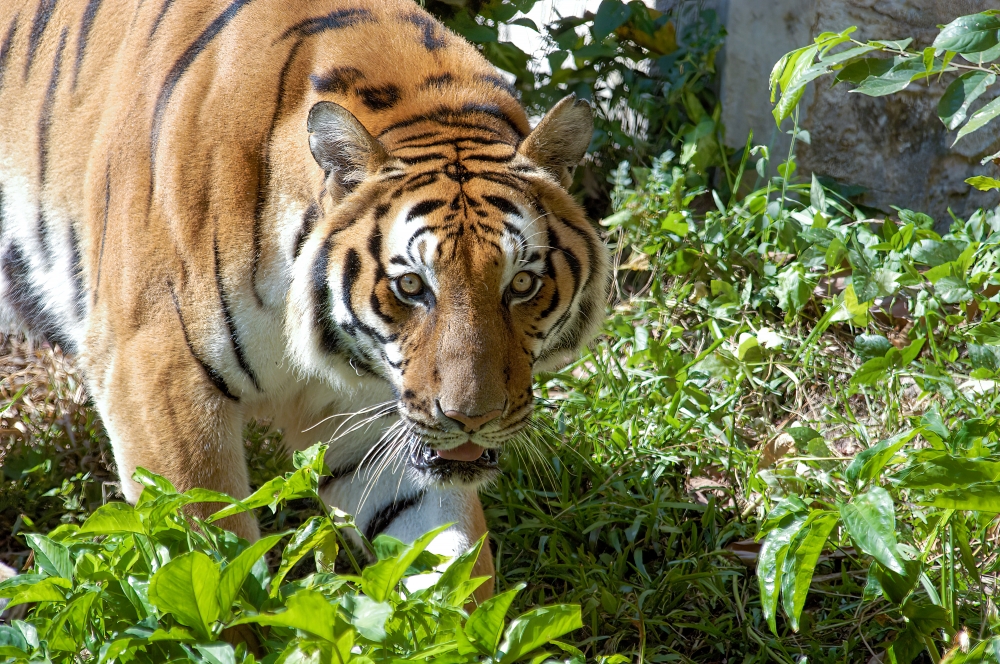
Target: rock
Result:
[[895, 147]]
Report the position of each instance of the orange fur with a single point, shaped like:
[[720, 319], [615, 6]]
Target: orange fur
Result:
[[164, 213]]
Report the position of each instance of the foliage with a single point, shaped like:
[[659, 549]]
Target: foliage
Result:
[[149, 584], [650, 74], [963, 50]]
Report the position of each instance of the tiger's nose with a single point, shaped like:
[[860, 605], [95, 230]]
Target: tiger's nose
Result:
[[472, 424]]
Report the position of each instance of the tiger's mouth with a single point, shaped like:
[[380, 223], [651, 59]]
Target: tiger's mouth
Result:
[[468, 463]]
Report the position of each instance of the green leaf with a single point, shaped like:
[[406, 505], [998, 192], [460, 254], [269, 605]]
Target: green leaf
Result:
[[800, 562], [50, 555], [953, 290], [307, 610], [979, 119], [967, 88], [794, 289], [871, 371], [902, 73], [51, 589], [983, 183], [770, 561], [869, 462], [538, 627], [188, 587], [610, 16], [868, 346], [367, 616], [870, 519], [933, 253], [862, 69], [113, 518], [976, 498], [458, 573], [969, 34], [945, 471], [236, 572], [307, 537], [485, 626], [378, 581]]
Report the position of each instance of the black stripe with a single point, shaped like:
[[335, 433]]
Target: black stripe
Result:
[[432, 38], [337, 80], [352, 271], [437, 81], [499, 83], [5, 46], [211, 373], [227, 316], [447, 115], [341, 18], [496, 159], [308, 223], [178, 69], [433, 156], [86, 23], [380, 98], [264, 171], [42, 16], [104, 228], [159, 18], [77, 268], [26, 303], [384, 516], [45, 118], [329, 341], [503, 205], [424, 208]]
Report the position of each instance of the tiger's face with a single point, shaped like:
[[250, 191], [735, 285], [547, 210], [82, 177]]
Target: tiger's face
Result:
[[454, 267]]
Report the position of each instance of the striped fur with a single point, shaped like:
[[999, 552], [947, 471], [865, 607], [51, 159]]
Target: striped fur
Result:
[[212, 202]]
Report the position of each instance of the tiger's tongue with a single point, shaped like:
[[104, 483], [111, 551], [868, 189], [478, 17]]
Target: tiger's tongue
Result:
[[465, 452]]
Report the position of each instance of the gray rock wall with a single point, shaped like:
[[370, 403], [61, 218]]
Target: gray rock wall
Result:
[[895, 147]]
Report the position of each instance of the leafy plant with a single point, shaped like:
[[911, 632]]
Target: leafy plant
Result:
[[963, 50], [151, 584]]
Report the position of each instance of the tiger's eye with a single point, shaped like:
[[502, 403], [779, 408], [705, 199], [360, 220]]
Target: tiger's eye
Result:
[[522, 283], [410, 284]]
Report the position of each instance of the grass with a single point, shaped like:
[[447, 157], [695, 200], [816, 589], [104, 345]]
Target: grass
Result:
[[741, 389]]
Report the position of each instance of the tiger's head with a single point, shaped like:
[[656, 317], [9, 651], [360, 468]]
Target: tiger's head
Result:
[[450, 261]]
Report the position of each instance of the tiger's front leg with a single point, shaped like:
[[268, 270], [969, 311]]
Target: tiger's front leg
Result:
[[400, 503], [163, 412]]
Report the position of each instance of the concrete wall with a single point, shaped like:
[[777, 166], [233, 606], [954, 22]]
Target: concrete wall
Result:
[[893, 146]]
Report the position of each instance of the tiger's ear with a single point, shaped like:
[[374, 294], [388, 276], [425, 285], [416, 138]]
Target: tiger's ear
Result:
[[561, 139], [342, 146]]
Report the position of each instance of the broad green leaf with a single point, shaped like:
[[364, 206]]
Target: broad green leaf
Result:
[[967, 88], [870, 520], [51, 556], [860, 70], [869, 462], [536, 628], [379, 580], [188, 587], [113, 518], [236, 572], [610, 16], [903, 72], [910, 353], [216, 653], [871, 371], [367, 616], [976, 498], [770, 561], [868, 346], [953, 290], [791, 504], [944, 471], [983, 183], [969, 34], [979, 119], [933, 253], [307, 610], [485, 626], [307, 537], [51, 589], [459, 571], [800, 562]]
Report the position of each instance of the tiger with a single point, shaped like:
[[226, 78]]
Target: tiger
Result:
[[331, 215]]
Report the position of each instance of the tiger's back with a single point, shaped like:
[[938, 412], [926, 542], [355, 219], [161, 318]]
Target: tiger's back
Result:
[[284, 209]]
